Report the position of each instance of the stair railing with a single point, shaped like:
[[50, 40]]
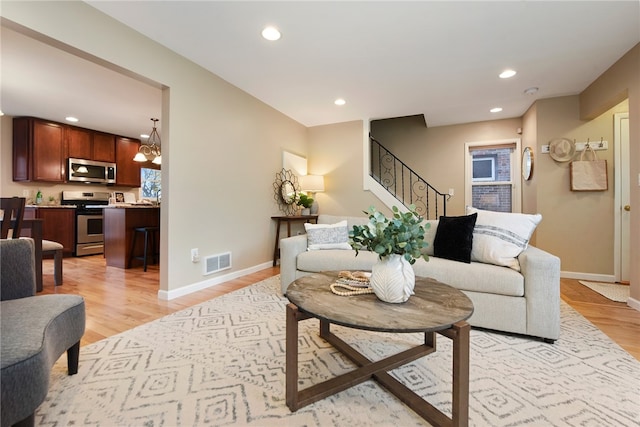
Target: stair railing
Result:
[[405, 184]]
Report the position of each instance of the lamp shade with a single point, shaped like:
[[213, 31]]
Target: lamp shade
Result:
[[140, 157], [312, 183]]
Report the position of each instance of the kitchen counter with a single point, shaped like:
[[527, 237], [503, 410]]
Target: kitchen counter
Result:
[[130, 206], [51, 206], [119, 223]]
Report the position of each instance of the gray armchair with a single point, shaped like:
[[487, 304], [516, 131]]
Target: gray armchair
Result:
[[34, 332]]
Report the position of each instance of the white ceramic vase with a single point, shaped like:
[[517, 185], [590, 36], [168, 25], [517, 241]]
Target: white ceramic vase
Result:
[[392, 279]]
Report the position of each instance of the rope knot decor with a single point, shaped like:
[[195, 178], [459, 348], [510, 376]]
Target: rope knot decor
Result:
[[352, 283]]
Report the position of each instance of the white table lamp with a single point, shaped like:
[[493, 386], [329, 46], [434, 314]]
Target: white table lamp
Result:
[[312, 184]]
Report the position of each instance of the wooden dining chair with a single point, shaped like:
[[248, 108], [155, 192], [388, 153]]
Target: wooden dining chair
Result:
[[13, 214], [13, 210]]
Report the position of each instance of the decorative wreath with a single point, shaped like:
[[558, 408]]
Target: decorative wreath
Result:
[[286, 189]]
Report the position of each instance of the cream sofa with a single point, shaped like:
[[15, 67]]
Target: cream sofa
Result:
[[522, 302]]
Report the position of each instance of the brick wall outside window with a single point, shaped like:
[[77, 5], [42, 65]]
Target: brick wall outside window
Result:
[[494, 197]]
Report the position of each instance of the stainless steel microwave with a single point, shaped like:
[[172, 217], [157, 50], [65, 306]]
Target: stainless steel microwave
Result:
[[89, 171]]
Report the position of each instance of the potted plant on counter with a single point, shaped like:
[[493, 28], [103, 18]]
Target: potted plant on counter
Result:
[[398, 241]]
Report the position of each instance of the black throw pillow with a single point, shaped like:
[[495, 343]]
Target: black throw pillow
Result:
[[454, 237]]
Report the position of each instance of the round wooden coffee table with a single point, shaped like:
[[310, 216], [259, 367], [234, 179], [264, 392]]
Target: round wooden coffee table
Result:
[[435, 307]]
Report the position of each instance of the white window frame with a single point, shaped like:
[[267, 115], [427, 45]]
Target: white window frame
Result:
[[516, 166], [493, 169]]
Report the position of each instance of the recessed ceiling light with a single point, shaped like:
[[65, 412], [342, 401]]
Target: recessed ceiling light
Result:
[[71, 119], [339, 101], [531, 91], [271, 33], [507, 73], [496, 110], [144, 135]]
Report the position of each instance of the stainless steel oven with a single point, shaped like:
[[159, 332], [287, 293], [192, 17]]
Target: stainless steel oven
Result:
[[89, 220], [89, 233]]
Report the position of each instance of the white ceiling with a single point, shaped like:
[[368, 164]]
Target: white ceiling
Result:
[[387, 59]]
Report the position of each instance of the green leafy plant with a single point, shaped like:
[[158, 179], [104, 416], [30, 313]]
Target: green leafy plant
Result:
[[403, 234], [304, 200]]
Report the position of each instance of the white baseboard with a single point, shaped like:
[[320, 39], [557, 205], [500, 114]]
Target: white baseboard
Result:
[[607, 278], [633, 303], [195, 287]]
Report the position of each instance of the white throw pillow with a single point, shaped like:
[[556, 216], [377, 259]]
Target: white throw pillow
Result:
[[429, 234], [327, 236], [499, 237]]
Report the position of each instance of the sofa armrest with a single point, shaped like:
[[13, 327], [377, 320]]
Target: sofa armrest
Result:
[[541, 272], [290, 248]]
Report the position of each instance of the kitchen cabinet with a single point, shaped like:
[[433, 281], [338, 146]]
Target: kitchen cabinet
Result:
[[127, 171], [41, 148], [58, 225], [38, 150], [79, 143], [90, 145], [104, 147]]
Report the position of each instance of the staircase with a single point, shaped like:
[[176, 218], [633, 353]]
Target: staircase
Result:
[[404, 184]]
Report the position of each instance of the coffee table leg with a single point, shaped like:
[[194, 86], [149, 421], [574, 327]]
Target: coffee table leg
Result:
[[291, 365], [460, 409], [292, 357], [430, 340]]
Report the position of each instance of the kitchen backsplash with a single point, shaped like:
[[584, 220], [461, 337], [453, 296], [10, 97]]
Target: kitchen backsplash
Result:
[[52, 195]]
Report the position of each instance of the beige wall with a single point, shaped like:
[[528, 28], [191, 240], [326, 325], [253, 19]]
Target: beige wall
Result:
[[530, 187], [221, 147], [573, 220], [437, 154], [623, 78], [335, 151]]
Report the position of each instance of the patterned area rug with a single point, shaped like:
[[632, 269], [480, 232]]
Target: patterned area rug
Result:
[[222, 363], [612, 291]]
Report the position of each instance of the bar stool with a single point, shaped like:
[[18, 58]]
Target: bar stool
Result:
[[148, 253]]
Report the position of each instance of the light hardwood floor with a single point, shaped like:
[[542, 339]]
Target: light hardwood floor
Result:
[[117, 300]]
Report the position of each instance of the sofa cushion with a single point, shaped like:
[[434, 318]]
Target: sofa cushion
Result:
[[454, 237], [335, 260], [476, 276], [327, 236], [499, 237]]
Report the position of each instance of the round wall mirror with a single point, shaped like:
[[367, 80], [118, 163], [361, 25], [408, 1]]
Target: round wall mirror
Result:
[[527, 163], [285, 190]]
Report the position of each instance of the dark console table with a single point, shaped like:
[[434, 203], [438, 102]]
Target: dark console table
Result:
[[288, 220]]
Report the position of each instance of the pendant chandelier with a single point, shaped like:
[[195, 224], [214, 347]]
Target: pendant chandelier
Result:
[[151, 149]]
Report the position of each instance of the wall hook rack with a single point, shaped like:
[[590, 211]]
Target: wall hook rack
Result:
[[601, 145], [580, 146]]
